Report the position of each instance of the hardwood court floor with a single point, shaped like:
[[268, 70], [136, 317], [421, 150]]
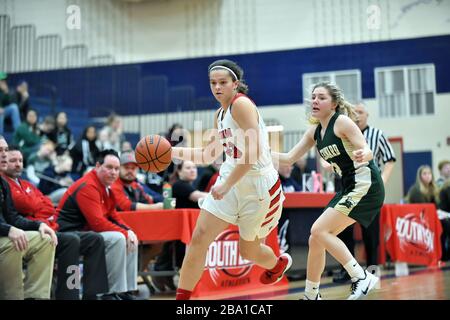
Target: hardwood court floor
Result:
[[420, 284]]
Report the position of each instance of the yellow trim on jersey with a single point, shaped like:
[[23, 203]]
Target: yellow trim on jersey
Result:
[[348, 146], [363, 181]]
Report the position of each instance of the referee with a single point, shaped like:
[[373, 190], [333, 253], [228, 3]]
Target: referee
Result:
[[382, 153]]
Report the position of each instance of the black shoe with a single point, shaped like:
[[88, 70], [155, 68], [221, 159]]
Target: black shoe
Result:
[[163, 284], [127, 296], [90, 297], [170, 284], [341, 277], [110, 296], [158, 284]]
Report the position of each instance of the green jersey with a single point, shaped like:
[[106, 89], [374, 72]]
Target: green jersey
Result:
[[362, 193]]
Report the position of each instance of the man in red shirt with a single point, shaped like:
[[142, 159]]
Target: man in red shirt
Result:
[[31, 203], [23, 242], [131, 196], [89, 204]]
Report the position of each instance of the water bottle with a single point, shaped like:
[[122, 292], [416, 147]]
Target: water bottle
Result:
[[167, 190], [169, 202], [330, 186]]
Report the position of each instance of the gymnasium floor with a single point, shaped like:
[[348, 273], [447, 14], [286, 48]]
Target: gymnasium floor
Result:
[[420, 284]]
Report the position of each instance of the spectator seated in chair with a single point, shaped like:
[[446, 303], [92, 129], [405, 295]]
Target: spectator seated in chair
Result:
[[130, 196], [23, 240], [90, 205], [33, 205]]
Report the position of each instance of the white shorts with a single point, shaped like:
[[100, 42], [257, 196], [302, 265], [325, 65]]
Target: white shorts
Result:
[[254, 204]]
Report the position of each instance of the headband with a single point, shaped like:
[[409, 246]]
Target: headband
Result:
[[226, 68]]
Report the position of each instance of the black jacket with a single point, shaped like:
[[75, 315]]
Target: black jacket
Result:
[[8, 214]]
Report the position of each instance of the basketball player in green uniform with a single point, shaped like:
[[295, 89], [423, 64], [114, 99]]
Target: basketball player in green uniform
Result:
[[340, 143]]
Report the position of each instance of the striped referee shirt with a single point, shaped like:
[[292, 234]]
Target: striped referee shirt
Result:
[[380, 146]]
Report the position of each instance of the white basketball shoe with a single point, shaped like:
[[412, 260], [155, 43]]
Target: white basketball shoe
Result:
[[361, 287]]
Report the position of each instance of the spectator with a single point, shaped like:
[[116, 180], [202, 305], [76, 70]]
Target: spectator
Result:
[[425, 189], [444, 217], [128, 192], [85, 151], [61, 134], [46, 128], [56, 178], [40, 161], [186, 197], [300, 168], [22, 100], [27, 135], [111, 136], [444, 173], [8, 109], [183, 190], [126, 146], [33, 205], [287, 182], [209, 173], [153, 181], [175, 134], [89, 204], [130, 196], [177, 137], [18, 243]]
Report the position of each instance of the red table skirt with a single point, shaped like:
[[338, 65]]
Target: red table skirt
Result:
[[162, 225]]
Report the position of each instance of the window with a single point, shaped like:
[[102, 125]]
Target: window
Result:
[[348, 80], [405, 90]]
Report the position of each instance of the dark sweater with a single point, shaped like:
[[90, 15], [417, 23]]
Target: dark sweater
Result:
[[415, 196], [8, 213], [444, 197]]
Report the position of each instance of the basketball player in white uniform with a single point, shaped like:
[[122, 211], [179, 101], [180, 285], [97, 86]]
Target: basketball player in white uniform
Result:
[[248, 191]]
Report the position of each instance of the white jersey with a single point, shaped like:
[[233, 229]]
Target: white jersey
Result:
[[232, 138]]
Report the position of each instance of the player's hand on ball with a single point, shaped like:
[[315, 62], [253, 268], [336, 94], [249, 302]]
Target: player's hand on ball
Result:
[[219, 191]]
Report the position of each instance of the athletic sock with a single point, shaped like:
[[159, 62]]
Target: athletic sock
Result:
[[354, 269], [311, 289], [183, 294]]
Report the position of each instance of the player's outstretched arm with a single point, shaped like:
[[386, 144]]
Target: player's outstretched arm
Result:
[[301, 148], [203, 155]]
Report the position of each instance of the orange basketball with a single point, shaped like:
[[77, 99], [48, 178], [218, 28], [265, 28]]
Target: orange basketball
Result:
[[153, 153]]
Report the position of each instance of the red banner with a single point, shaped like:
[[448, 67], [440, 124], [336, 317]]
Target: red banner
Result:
[[410, 233], [227, 274]]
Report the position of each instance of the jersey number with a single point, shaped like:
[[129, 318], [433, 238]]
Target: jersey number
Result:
[[232, 151]]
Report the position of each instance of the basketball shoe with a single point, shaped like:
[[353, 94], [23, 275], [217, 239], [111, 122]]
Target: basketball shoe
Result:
[[318, 297], [361, 287], [275, 274]]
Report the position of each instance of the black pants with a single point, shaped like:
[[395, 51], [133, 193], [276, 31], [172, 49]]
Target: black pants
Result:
[[171, 256], [347, 237], [72, 245], [371, 239], [445, 239]]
